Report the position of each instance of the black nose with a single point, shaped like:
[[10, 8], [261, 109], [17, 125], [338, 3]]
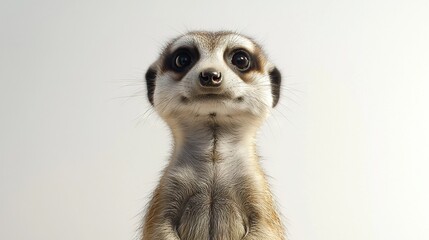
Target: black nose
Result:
[[210, 78]]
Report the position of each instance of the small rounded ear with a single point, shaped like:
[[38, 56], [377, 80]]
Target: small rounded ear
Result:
[[150, 83], [276, 79]]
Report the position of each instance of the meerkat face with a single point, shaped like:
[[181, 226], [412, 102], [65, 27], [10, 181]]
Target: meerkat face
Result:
[[212, 74]]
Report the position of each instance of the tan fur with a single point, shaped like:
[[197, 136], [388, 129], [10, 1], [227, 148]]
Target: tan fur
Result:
[[213, 187]]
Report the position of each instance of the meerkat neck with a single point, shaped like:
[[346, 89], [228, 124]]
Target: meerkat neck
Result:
[[211, 141]]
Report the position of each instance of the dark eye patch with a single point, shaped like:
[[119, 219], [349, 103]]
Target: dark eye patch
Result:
[[243, 62], [240, 60], [181, 60]]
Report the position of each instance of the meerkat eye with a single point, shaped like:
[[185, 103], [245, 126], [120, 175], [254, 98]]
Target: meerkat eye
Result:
[[182, 60], [241, 60]]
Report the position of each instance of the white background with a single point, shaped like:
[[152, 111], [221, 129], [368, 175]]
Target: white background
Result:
[[346, 150]]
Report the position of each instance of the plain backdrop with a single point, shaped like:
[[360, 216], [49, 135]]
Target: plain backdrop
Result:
[[347, 149]]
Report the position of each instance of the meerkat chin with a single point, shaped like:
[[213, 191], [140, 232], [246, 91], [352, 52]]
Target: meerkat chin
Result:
[[214, 90]]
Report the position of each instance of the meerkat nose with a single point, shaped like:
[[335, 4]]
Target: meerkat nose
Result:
[[210, 78]]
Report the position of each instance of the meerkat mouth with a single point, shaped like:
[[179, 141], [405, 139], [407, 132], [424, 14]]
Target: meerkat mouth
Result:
[[207, 97], [212, 96]]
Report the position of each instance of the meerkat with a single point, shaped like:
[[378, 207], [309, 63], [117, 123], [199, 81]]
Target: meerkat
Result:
[[214, 90]]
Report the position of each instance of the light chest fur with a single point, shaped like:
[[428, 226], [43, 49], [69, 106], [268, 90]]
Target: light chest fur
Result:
[[214, 175]]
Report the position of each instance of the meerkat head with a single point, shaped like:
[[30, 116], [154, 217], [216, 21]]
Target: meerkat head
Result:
[[203, 75]]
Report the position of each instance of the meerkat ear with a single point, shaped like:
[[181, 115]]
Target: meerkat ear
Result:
[[276, 79], [150, 83]]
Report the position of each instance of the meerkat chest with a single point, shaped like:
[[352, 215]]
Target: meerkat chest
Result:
[[214, 208]]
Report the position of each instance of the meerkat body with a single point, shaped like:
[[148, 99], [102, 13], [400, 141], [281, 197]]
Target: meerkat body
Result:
[[214, 90]]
